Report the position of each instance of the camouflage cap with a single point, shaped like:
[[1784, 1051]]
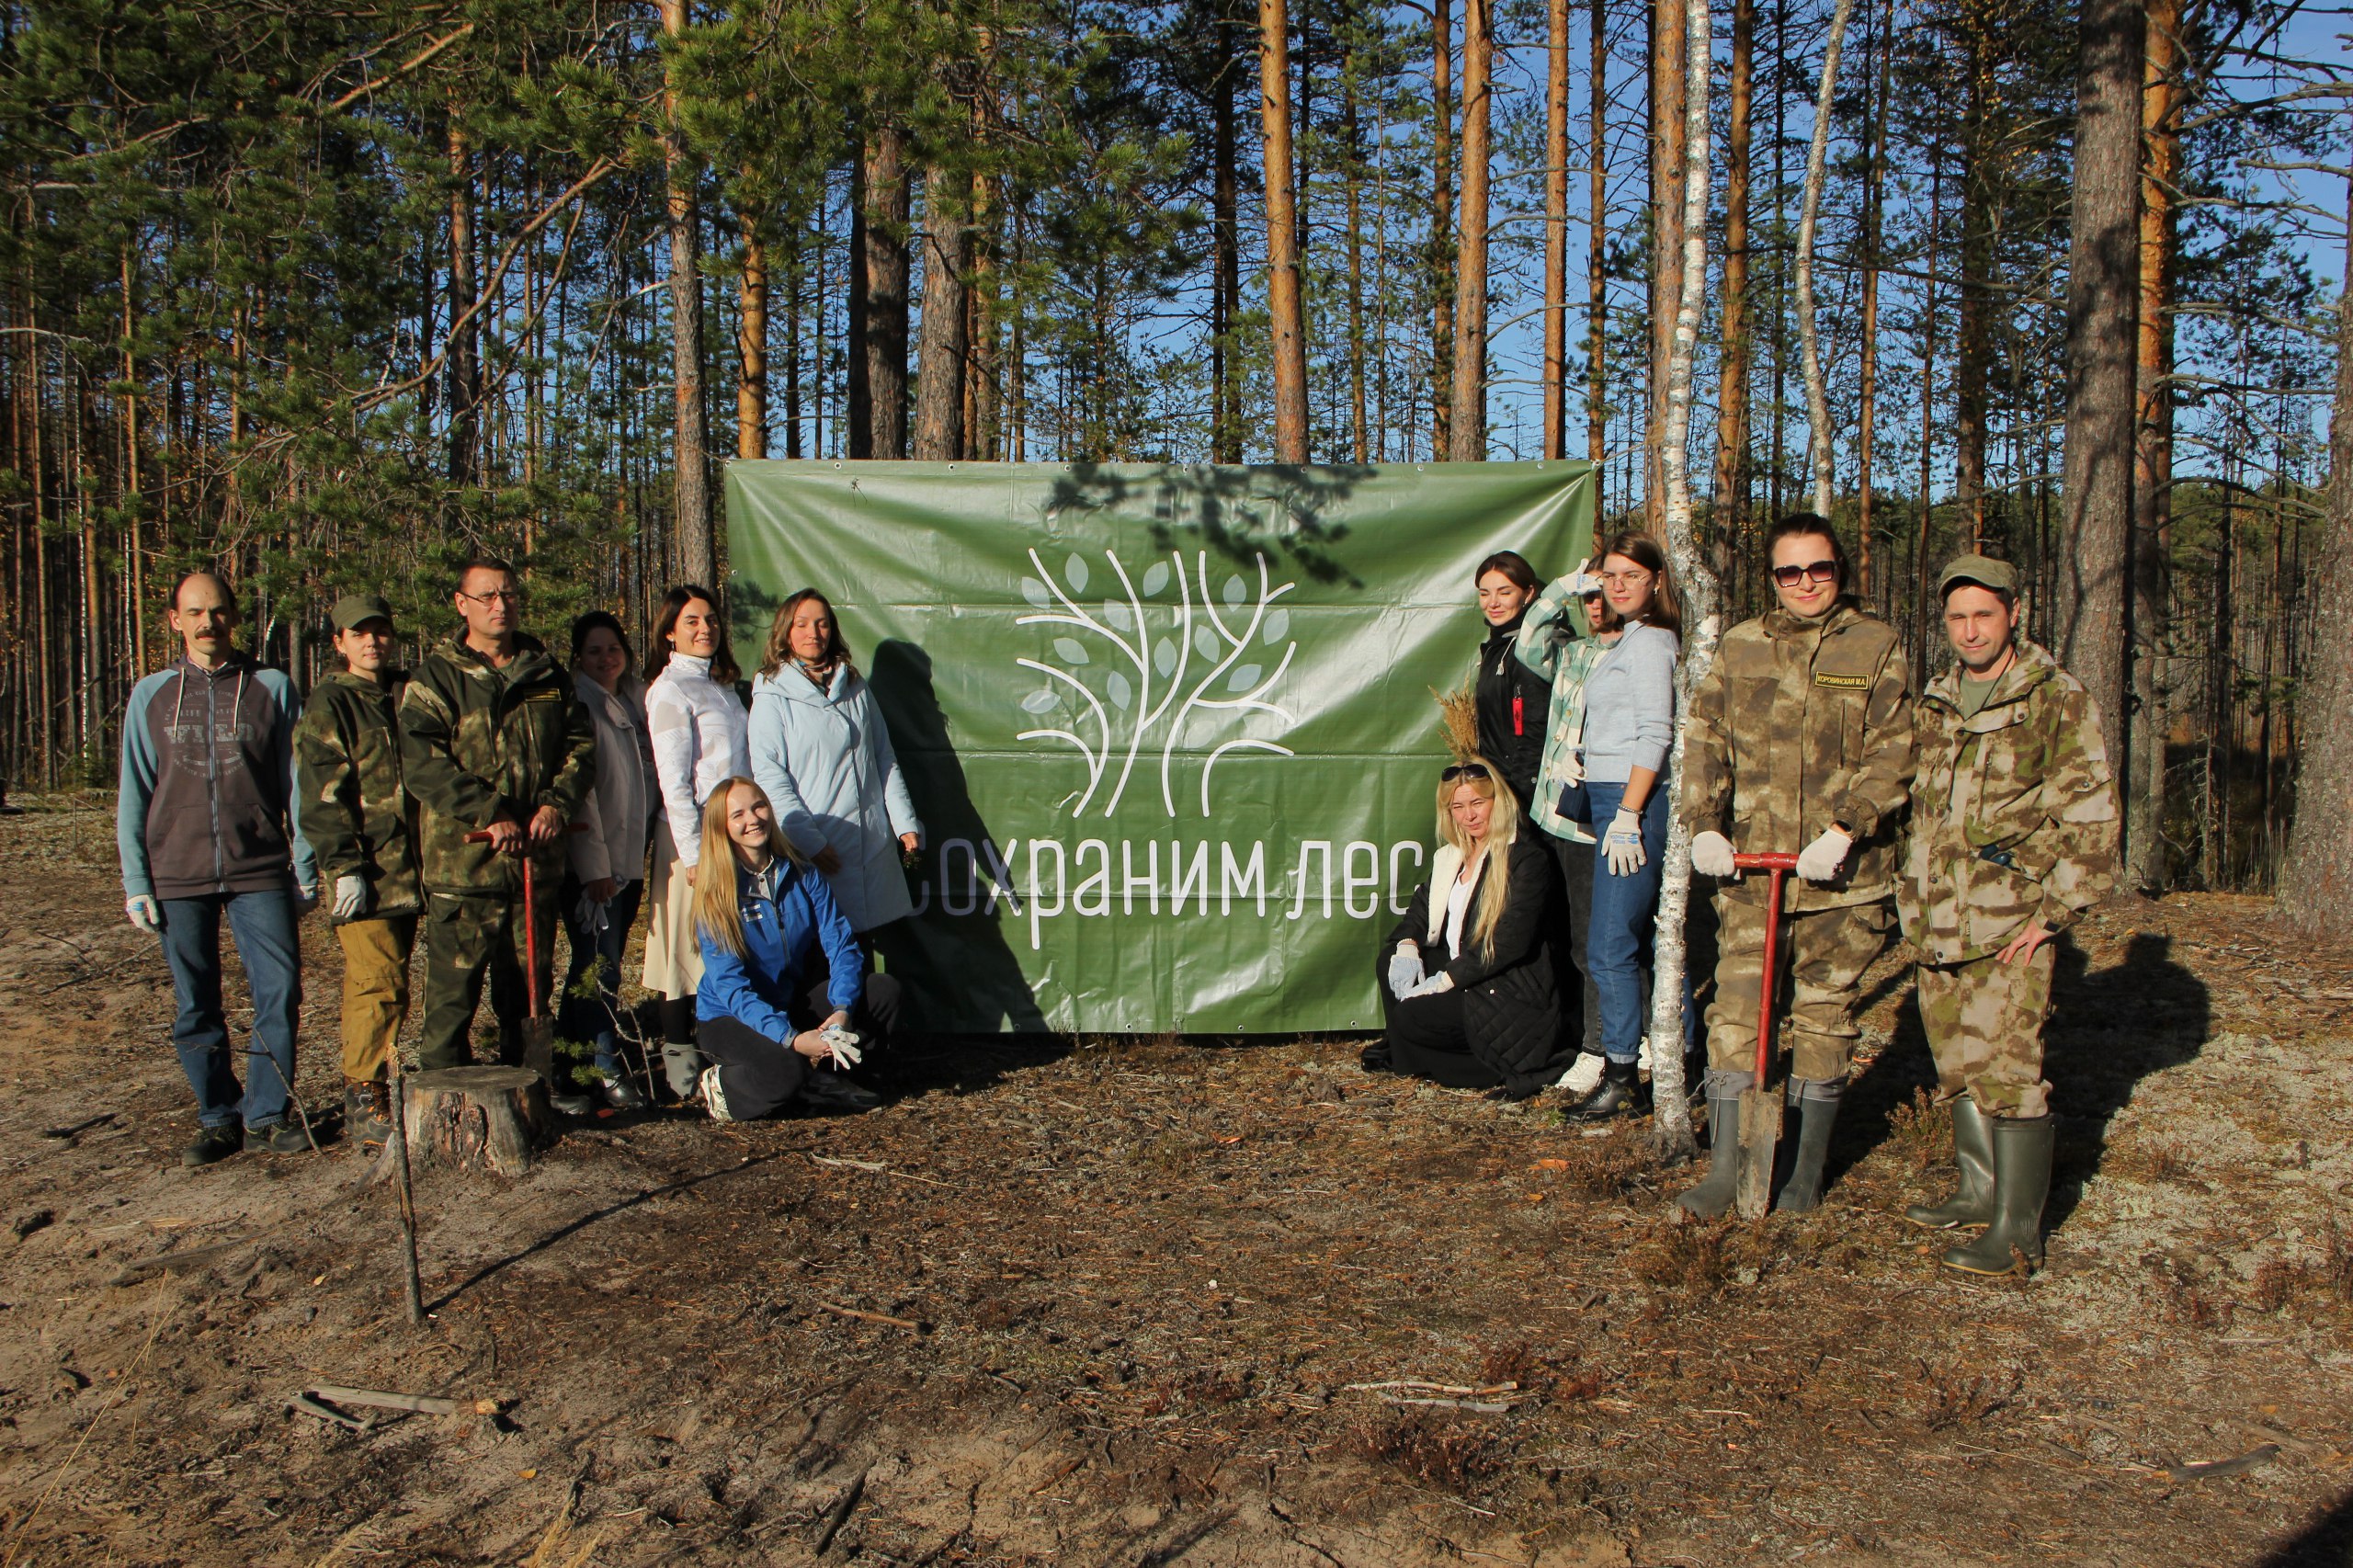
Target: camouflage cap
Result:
[[353, 609], [1981, 569]]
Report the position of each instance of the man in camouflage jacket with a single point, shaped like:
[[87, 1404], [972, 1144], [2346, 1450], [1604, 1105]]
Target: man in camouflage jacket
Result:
[[1799, 738], [2013, 836], [493, 741], [360, 825]]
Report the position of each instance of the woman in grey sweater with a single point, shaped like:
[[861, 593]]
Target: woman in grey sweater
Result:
[[1629, 726]]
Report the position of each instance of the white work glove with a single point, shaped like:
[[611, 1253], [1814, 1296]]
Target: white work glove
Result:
[[843, 1043], [1712, 855], [1438, 984], [590, 917], [1404, 969], [145, 913], [351, 896], [1819, 861], [1623, 844]]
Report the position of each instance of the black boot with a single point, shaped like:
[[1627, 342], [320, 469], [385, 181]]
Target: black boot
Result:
[[214, 1145], [1817, 1103], [1619, 1093], [1714, 1194], [2021, 1183], [831, 1092], [1972, 1150], [1375, 1058]]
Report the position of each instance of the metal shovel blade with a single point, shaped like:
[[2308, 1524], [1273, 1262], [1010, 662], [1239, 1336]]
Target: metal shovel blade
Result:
[[1760, 1135]]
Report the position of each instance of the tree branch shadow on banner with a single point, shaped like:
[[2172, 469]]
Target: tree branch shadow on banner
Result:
[[932, 952], [1226, 508]]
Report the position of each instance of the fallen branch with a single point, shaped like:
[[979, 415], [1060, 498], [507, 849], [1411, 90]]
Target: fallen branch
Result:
[[98, 1120], [163, 1261], [310, 1406], [1482, 1407], [871, 1317], [422, 1403], [878, 1168], [838, 1514], [1435, 1388]]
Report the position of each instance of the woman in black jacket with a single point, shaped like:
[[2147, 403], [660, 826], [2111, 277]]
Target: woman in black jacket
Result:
[[1513, 701], [1469, 985]]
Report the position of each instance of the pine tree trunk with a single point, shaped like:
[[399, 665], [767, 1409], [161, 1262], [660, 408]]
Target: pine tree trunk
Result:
[[939, 365], [1469, 421], [2103, 301], [1225, 216], [1597, 261], [1556, 229], [751, 350], [695, 551], [462, 376], [1282, 258], [1672, 1107], [857, 414], [1732, 397], [1817, 397], [1867, 380], [1352, 180], [1668, 132], [1441, 259], [1973, 364], [2144, 766], [885, 262], [2316, 875]]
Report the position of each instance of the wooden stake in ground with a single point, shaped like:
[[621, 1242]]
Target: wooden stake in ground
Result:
[[404, 1191]]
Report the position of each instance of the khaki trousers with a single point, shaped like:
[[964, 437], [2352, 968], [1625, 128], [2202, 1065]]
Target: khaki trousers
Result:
[[375, 991]]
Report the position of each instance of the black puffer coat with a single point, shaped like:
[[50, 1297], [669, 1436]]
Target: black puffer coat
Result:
[[1511, 999], [1514, 704]]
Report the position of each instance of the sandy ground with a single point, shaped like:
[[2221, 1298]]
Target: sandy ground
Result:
[[1139, 1288]]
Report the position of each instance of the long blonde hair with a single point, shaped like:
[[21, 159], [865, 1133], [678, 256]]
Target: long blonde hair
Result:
[[718, 914], [1502, 831]]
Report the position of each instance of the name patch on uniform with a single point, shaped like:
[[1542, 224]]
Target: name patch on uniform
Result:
[[1845, 683]]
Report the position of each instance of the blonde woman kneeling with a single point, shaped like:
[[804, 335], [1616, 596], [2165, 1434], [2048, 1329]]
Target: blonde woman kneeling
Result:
[[1469, 985], [785, 1006]]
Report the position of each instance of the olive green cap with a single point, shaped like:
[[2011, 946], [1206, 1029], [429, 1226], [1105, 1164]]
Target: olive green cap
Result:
[[353, 609], [1982, 569]]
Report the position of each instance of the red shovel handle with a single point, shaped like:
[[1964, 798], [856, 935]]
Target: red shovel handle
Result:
[[1778, 866], [531, 926]]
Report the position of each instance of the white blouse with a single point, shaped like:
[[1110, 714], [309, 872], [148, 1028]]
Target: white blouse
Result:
[[699, 729]]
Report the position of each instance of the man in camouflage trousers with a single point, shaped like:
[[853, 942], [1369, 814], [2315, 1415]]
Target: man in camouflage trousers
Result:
[[357, 816], [2013, 836], [1799, 738], [494, 740]]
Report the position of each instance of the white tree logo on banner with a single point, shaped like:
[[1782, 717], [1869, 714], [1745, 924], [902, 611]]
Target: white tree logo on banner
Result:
[[1165, 666]]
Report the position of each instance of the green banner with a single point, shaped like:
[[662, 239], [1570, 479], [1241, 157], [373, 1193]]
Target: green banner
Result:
[[1169, 727]]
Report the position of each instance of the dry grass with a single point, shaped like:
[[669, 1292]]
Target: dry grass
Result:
[[1450, 1455], [1922, 1131]]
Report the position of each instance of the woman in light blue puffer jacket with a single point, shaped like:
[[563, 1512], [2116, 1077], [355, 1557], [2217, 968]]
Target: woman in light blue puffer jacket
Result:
[[821, 751]]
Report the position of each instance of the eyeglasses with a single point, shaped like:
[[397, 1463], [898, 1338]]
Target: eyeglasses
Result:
[[1818, 571], [495, 597], [1465, 770], [1626, 579]]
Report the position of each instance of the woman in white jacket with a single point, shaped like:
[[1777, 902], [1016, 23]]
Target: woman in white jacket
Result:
[[820, 750], [698, 726]]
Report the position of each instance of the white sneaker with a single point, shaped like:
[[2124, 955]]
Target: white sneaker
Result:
[[1643, 1064], [1582, 1076], [714, 1098]]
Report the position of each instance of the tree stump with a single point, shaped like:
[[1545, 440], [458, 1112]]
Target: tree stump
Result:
[[477, 1118]]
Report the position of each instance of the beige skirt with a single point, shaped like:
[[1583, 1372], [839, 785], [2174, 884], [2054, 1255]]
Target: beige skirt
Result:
[[673, 956]]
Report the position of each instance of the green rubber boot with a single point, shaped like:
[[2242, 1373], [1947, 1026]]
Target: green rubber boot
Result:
[[1972, 1150], [1714, 1194], [2022, 1149], [1817, 1107]]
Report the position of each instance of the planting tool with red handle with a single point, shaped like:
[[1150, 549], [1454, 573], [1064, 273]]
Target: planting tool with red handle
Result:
[[1760, 1103], [538, 1028]]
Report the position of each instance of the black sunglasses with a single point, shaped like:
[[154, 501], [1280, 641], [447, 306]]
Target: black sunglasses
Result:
[[1820, 571], [1465, 770]]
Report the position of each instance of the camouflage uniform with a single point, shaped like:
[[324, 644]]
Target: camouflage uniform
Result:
[[482, 743], [2014, 821], [1799, 724], [359, 822]]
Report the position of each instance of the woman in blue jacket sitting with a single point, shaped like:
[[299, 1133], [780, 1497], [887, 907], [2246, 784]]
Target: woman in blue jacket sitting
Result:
[[785, 1007]]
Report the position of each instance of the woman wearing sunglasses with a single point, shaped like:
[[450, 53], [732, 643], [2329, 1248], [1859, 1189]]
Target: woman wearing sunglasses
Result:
[[1630, 723], [1799, 738], [1467, 985]]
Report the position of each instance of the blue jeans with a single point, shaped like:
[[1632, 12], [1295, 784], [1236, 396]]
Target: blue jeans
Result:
[[1618, 932], [263, 925], [586, 1017]]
